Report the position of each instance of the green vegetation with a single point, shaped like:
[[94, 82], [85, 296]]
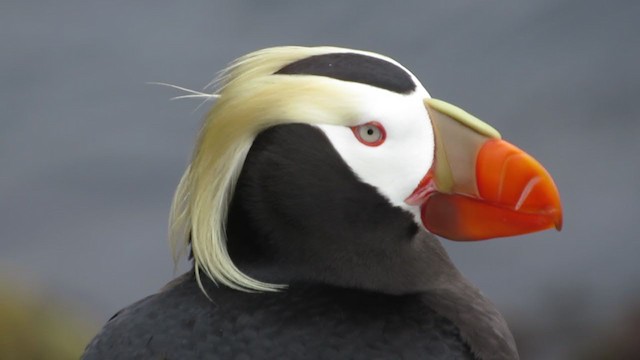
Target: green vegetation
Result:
[[35, 327]]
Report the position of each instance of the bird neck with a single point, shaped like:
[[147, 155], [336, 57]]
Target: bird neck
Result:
[[300, 216], [479, 322]]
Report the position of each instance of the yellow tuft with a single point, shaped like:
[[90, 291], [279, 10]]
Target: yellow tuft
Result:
[[250, 100]]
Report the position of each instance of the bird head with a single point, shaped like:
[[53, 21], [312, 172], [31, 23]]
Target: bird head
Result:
[[312, 151]]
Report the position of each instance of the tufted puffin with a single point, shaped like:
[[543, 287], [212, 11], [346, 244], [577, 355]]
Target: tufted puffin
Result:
[[319, 181]]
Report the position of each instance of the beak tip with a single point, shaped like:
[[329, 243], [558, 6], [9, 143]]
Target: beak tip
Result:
[[558, 222]]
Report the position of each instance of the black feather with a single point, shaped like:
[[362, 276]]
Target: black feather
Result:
[[356, 68]]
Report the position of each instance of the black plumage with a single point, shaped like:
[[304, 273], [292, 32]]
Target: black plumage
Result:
[[354, 67], [304, 322], [355, 265], [300, 213]]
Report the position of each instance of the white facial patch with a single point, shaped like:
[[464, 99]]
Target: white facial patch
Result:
[[395, 167]]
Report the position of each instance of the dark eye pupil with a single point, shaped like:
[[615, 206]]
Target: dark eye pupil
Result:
[[370, 131]]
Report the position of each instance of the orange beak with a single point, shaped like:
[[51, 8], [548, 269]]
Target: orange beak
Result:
[[480, 186]]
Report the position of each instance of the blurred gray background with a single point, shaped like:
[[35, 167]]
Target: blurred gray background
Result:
[[90, 154]]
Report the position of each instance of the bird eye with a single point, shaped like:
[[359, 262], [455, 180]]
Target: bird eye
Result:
[[370, 134]]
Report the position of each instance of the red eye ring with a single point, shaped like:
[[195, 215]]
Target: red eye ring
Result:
[[370, 134]]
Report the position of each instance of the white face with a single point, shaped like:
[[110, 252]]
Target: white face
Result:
[[396, 166]]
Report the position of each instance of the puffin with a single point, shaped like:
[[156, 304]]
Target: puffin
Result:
[[320, 182]]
